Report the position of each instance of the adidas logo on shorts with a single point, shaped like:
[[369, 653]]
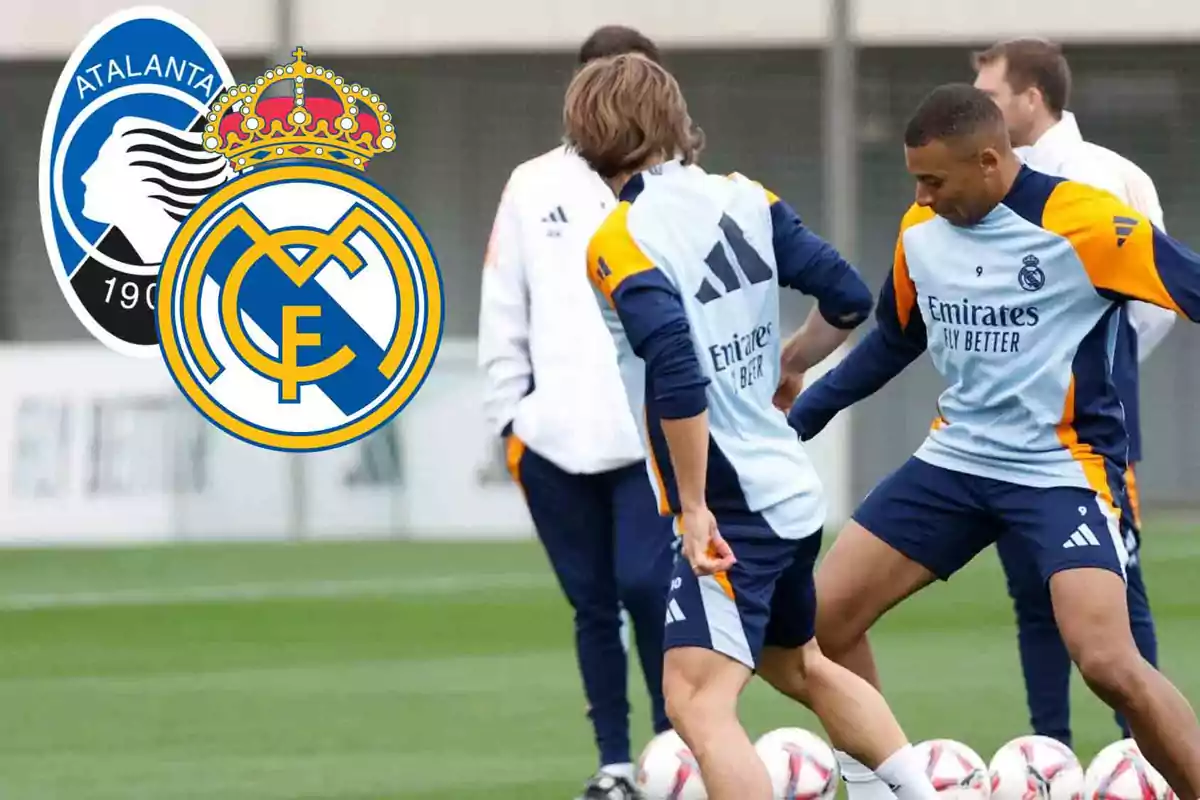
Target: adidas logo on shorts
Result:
[[1082, 537]]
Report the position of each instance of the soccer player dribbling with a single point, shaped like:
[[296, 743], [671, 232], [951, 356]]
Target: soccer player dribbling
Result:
[[1030, 80], [1029, 441]]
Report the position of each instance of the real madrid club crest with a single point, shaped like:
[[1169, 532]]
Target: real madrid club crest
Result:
[[122, 164], [300, 307], [1030, 275]]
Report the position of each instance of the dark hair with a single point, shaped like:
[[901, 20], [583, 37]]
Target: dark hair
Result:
[[1033, 63], [614, 40], [953, 111]]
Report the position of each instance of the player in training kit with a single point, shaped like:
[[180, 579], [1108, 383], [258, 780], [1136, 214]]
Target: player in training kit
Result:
[[1016, 283], [1030, 80], [555, 394], [689, 266]]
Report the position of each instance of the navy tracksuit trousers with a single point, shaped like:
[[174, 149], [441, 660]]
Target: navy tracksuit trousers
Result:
[[609, 548]]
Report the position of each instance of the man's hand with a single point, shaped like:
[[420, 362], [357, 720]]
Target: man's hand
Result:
[[703, 547], [813, 343], [789, 389]]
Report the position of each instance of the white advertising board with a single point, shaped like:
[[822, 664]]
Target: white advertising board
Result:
[[98, 449]]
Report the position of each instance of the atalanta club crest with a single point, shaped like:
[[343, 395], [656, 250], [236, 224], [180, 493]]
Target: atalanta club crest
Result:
[[123, 163], [230, 230]]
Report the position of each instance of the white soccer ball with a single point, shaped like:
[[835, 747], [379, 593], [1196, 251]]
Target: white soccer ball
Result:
[[956, 771], [667, 770], [1036, 768], [801, 765], [1121, 772]]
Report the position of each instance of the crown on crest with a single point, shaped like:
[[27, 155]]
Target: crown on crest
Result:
[[1030, 260], [350, 126]]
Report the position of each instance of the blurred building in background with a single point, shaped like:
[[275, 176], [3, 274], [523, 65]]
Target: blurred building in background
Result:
[[94, 445]]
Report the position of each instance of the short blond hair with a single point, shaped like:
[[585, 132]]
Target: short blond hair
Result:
[[623, 111]]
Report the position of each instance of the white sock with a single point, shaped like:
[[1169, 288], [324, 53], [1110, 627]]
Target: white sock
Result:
[[905, 774], [619, 771], [861, 782]]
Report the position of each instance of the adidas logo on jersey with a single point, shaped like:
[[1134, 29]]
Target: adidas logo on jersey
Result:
[[674, 612], [1081, 537], [747, 259], [555, 220], [1124, 227]]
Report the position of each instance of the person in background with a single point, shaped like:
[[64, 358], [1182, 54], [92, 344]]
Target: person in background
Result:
[[555, 395], [1030, 80]]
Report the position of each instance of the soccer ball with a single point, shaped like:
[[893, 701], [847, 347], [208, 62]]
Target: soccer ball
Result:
[[1121, 772], [666, 770], [801, 765], [956, 771], [1036, 768]]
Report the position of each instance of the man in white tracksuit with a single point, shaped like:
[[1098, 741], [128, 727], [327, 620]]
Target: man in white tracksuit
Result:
[[1030, 81], [554, 393]]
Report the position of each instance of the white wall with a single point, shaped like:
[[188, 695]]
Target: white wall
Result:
[[51, 28], [915, 22]]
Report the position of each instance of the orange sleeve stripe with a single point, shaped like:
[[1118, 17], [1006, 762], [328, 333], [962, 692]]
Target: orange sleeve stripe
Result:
[[1114, 242], [613, 255], [902, 285]]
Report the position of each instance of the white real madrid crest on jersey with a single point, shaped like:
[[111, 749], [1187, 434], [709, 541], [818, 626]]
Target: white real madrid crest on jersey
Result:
[[301, 306]]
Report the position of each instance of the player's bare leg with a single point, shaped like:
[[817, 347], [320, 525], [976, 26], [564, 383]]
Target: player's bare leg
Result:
[[860, 659], [1090, 608], [860, 578], [701, 688], [854, 714]]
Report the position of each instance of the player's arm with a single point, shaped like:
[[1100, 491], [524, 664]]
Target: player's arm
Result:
[[652, 315], [1151, 323], [1124, 254], [1125, 180], [504, 320], [897, 339], [808, 263]]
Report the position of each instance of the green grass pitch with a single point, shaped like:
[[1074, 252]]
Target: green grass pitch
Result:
[[392, 671]]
